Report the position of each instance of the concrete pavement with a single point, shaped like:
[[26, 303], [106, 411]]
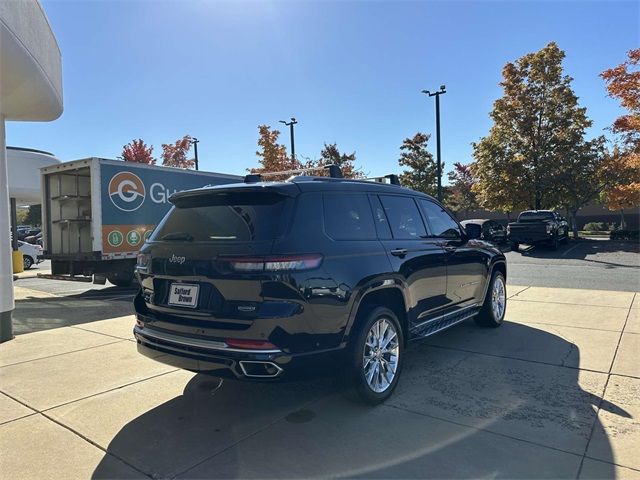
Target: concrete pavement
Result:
[[553, 393]]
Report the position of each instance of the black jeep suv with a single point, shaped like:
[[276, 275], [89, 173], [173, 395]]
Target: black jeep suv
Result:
[[266, 280]]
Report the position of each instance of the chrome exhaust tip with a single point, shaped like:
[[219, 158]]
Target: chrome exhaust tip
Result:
[[256, 369]]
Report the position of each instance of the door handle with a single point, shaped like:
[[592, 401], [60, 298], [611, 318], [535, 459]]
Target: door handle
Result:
[[399, 252], [446, 246]]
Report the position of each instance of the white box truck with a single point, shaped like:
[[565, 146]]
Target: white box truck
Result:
[[96, 213]]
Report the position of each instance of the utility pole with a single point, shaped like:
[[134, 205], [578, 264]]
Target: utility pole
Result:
[[438, 159], [293, 145], [194, 142]]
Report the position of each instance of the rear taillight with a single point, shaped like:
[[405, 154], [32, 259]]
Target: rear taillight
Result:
[[271, 263], [250, 344]]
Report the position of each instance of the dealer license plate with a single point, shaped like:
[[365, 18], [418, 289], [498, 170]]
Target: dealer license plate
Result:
[[183, 295]]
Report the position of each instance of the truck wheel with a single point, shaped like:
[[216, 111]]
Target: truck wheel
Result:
[[121, 279], [376, 356], [27, 262], [495, 303]]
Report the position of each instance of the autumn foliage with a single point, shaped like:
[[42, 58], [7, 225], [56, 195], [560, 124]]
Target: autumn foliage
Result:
[[137, 151], [420, 171], [273, 157], [175, 154], [461, 196], [623, 83]]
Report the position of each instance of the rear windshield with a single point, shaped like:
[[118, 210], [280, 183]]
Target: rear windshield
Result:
[[535, 216], [242, 217]]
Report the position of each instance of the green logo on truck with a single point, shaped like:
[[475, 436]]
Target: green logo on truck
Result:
[[115, 238], [133, 238]]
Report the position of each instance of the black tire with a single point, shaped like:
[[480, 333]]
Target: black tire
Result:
[[555, 243], [514, 246], [359, 348], [27, 262], [121, 279], [487, 317]]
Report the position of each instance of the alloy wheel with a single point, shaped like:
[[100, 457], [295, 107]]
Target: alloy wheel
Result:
[[381, 354], [498, 298]]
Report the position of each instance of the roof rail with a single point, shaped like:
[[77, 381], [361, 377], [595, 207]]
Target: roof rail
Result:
[[334, 172], [393, 179]]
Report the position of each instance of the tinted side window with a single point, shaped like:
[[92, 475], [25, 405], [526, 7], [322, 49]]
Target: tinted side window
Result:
[[404, 217], [380, 218], [348, 217], [441, 223]]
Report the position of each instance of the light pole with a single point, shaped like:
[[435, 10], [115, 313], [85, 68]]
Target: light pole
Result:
[[194, 142], [437, 95], [293, 145]]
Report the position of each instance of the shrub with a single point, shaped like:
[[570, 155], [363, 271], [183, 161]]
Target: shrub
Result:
[[596, 227], [625, 235]]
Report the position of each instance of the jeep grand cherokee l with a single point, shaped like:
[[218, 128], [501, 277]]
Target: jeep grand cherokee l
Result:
[[273, 280]]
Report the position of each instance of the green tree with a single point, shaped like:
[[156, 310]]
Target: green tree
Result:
[[580, 178], [421, 169], [330, 155], [460, 195], [34, 216], [536, 124]]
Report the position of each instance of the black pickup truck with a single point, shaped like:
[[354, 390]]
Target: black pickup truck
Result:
[[538, 226]]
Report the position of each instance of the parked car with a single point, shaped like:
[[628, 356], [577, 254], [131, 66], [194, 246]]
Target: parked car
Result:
[[536, 227], [310, 276], [31, 254], [34, 239], [491, 230], [27, 232]]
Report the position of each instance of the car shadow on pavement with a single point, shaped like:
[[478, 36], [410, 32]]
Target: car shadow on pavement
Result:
[[582, 248], [475, 403]]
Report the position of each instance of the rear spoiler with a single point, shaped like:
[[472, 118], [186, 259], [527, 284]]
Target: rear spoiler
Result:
[[280, 189]]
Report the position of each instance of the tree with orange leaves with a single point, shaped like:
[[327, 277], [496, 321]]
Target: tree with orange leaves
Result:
[[175, 155], [623, 83], [138, 152]]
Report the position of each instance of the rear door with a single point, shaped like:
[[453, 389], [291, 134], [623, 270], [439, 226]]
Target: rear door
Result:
[[466, 263], [416, 257]]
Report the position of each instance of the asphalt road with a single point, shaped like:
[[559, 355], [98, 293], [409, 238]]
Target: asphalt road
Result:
[[583, 264]]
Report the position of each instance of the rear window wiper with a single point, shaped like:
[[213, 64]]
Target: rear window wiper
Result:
[[180, 236]]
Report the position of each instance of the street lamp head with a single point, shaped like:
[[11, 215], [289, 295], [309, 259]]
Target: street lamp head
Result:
[[282, 121], [442, 88], [426, 92], [293, 120]]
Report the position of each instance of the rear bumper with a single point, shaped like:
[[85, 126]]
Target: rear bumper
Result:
[[530, 238], [216, 358]]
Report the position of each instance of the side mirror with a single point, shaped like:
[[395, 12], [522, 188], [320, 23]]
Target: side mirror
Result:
[[473, 230]]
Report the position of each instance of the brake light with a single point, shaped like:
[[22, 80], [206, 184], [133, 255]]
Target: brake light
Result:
[[271, 263], [250, 344]]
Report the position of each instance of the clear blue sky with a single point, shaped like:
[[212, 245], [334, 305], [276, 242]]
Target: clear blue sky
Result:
[[351, 72]]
